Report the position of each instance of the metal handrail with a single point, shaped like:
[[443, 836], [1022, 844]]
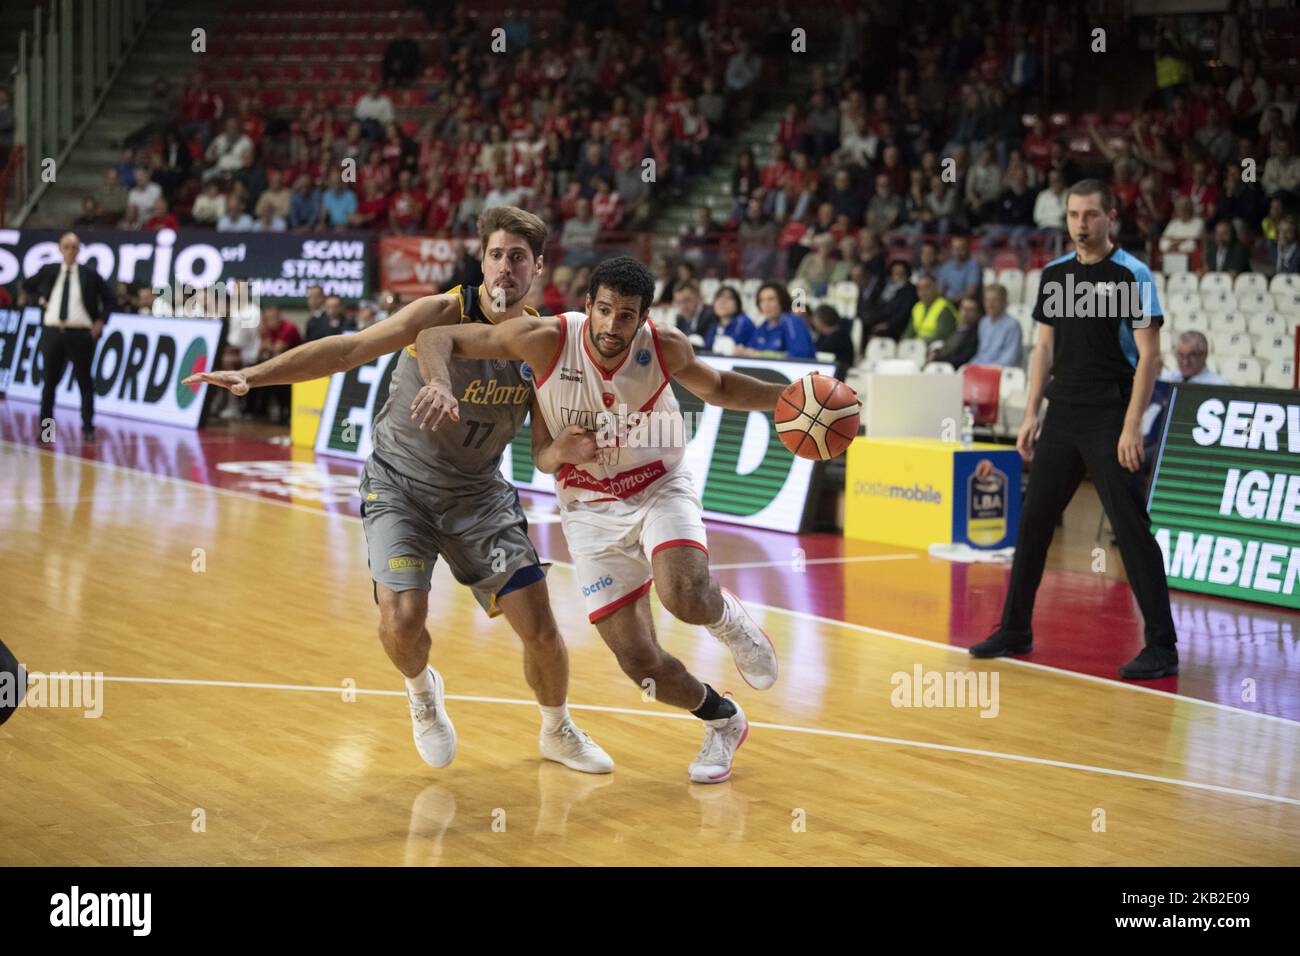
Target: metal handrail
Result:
[[52, 110]]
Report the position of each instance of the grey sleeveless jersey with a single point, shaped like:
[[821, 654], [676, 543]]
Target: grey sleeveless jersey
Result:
[[494, 396]]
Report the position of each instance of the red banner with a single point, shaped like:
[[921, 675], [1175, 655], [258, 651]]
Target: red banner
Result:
[[420, 265]]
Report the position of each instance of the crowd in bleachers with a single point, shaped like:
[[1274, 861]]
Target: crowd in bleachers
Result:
[[852, 208], [376, 116]]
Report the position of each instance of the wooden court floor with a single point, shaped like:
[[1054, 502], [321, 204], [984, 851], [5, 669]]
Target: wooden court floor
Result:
[[249, 717]]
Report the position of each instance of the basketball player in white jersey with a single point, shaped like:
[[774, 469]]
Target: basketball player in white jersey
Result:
[[427, 495], [629, 509]]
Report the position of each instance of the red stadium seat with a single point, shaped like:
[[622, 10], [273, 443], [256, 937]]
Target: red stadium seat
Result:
[[1123, 120], [979, 390], [1089, 120]]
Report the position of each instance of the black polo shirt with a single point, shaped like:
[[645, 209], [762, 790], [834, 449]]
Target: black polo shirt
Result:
[[1093, 310]]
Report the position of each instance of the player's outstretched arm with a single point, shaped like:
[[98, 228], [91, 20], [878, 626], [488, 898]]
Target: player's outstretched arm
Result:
[[725, 389], [529, 338], [338, 353]]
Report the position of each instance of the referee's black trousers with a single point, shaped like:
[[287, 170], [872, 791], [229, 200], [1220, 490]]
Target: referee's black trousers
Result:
[[58, 347], [1075, 439]]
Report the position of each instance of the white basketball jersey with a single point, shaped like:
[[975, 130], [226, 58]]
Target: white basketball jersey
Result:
[[632, 410]]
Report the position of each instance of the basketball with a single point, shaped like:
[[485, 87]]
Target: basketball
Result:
[[817, 417]]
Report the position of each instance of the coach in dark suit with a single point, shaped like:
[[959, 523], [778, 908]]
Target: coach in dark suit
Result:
[[1224, 253], [76, 303]]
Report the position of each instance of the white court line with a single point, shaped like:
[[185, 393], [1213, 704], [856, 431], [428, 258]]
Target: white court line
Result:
[[790, 563], [804, 615], [789, 728]]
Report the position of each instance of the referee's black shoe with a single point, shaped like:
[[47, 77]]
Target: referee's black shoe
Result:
[[1153, 662], [1003, 644]]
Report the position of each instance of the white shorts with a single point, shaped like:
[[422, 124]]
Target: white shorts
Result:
[[612, 542]]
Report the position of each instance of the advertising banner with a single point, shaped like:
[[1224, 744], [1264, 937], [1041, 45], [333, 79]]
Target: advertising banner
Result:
[[420, 265], [278, 265], [1225, 495], [138, 366]]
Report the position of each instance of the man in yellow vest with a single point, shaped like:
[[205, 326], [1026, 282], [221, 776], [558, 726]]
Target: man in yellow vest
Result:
[[933, 317]]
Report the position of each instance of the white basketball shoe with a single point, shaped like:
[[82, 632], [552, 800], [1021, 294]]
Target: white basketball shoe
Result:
[[750, 647], [435, 737], [575, 749], [722, 738]]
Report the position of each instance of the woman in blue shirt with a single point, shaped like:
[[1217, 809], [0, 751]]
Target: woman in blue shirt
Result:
[[780, 331], [732, 322]]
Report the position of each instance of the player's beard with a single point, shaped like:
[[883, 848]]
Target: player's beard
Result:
[[596, 343]]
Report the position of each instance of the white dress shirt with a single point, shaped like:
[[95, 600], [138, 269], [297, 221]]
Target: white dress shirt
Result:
[[78, 317]]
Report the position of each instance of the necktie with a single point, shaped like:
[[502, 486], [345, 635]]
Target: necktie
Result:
[[63, 301]]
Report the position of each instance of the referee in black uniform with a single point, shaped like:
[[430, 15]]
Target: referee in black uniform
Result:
[[1097, 358], [76, 302]]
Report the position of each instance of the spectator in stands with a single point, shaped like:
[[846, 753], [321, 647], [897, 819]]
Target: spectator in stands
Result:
[[757, 236], [352, 146], [928, 262], [821, 127], [91, 214], [886, 210], [1215, 138], [1185, 231], [1014, 219], [332, 321], [209, 205], [999, 333], [1285, 253], [578, 237], [1282, 170], [933, 318], [161, 217], [607, 208], [374, 110], [1190, 352], [236, 217], [1247, 96], [372, 211], [741, 76], [275, 198], [1224, 253], [698, 240], [961, 274], [145, 299], [892, 311], [171, 165], [339, 202], [501, 193], [229, 152], [942, 204], [732, 322], [407, 205], [816, 267], [961, 344], [844, 196], [112, 197], [304, 204], [142, 197], [469, 209], [983, 187], [833, 336], [200, 107], [1049, 209], [693, 316], [779, 331]]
